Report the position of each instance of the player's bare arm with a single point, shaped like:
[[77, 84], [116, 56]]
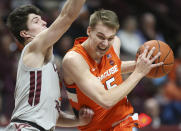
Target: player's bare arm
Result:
[[41, 45], [85, 116], [126, 66], [76, 68], [68, 14]]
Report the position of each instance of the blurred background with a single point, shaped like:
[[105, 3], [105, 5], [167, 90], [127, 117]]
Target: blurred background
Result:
[[140, 20]]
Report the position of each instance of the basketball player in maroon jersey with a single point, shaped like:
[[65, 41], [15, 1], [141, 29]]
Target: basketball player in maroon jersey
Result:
[[37, 87]]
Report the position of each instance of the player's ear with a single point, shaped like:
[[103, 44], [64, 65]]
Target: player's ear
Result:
[[24, 34], [88, 30]]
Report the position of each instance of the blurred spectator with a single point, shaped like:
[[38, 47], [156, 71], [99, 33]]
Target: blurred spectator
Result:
[[148, 31], [16, 3], [65, 43], [172, 88], [148, 28], [93, 5], [121, 7], [8, 60], [177, 45], [152, 108], [47, 5], [165, 106], [143, 91], [129, 37], [174, 74], [171, 113]]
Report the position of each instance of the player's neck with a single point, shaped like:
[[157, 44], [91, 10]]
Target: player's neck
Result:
[[28, 41]]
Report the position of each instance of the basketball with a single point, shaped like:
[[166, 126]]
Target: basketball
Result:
[[167, 57]]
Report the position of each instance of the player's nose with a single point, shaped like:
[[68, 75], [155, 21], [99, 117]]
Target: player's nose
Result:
[[44, 23], [105, 42]]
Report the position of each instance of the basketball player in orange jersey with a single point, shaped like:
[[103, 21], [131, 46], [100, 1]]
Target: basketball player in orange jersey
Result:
[[92, 73], [37, 92]]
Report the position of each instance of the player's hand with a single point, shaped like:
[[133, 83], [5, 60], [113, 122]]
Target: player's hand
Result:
[[85, 115], [145, 63]]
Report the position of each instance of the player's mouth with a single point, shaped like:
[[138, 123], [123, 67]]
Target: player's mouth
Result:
[[102, 48]]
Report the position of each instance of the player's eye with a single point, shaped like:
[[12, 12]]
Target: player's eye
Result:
[[100, 37], [110, 39], [35, 20]]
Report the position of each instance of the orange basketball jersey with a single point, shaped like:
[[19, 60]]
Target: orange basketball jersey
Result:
[[109, 72]]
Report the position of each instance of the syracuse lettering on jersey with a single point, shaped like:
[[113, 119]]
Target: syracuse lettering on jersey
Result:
[[108, 72]]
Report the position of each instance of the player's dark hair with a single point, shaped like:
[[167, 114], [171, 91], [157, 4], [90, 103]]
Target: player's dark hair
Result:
[[17, 20]]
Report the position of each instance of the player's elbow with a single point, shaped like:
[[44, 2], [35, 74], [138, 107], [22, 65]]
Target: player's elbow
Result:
[[105, 102]]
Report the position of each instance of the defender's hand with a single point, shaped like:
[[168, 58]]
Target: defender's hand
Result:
[[85, 115]]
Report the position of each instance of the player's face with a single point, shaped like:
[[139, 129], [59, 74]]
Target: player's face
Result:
[[101, 38], [35, 25]]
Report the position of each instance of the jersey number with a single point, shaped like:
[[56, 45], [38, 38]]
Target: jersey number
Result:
[[35, 87], [109, 86], [108, 83]]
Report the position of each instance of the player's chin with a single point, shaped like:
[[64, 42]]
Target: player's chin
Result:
[[100, 54]]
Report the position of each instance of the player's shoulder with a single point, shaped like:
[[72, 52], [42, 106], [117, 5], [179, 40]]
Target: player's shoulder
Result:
[[117, 41], [72, 57], [117, 45]]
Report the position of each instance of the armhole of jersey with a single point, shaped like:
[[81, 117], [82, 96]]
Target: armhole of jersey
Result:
[[52, 59], [21, 63]]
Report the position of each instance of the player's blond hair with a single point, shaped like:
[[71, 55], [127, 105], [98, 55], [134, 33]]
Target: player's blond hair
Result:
[[107, 17]]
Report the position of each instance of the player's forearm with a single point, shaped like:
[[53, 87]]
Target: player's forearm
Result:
[[127, 66], [66, 122], [114, 95], [72, 8], [68, 14]]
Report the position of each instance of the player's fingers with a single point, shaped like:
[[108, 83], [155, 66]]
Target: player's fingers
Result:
[[150, 52], [155, 57], [157, 64], [91, 113], [83, 112], [145, 51], [88, 113]]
